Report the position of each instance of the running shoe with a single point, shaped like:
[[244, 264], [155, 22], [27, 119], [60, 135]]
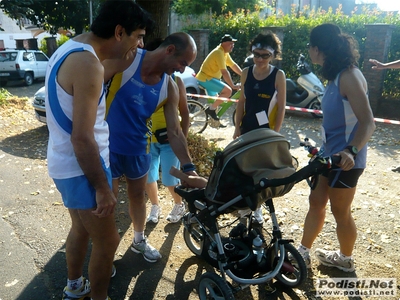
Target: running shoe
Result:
[[149, 252], [177, 213], [334, 259]]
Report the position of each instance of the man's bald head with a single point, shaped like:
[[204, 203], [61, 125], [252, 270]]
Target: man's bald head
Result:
[[183, 43]]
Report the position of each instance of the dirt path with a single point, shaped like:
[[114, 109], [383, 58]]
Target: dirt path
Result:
[[30, 206]]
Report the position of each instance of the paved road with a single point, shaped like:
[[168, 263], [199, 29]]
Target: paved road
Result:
[[18, 88]]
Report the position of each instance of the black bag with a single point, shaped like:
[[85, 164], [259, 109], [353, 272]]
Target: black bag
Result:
[[161, 136]]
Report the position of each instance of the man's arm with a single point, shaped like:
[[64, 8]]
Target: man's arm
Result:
[[228, 79], [240, 105], [82, 76], [183, 107], [236, 69], [380, 66], [176, 137], [280, 84]]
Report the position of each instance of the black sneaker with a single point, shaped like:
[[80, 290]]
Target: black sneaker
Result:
[[212, 114], [222, 125]]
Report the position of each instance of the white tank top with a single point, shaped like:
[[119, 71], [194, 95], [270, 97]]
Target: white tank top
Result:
[[61, 159]]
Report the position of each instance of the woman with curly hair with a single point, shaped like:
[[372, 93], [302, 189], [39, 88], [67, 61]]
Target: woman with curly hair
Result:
[[263, 98], [347, 126]]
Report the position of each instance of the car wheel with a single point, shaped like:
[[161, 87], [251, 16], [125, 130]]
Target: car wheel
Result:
[[28, 79], [315, 104], [191, 90]]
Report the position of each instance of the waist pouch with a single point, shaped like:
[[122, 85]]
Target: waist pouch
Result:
[[161, 136]]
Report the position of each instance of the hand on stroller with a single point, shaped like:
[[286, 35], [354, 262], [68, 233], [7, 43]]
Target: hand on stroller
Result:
[[189, 179]]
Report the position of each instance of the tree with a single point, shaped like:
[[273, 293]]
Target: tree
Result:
[[159, 9], [51, 14], [190, 7]]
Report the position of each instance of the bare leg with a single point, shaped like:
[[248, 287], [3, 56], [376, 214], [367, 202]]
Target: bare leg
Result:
[[316, 213], [175, 196], [76, 246], [105, 239], [346, 230], [226, 93], [216, 104], [115, 186], [137, 202], [152, 192]]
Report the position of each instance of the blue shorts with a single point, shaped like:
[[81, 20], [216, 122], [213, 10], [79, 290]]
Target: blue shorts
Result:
[[77, 192], [133, 167], [162, 153], [213, 86]]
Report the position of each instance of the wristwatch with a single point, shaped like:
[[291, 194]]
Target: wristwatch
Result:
[[353, 150]]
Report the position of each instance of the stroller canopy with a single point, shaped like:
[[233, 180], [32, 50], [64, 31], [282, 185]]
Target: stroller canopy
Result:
[[261, 153]]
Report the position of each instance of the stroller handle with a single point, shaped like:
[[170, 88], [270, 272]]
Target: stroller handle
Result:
[[317, 165]]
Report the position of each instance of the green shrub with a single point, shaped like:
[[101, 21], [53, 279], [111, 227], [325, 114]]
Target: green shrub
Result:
[[61, 40], [244, 25], [4, 95]]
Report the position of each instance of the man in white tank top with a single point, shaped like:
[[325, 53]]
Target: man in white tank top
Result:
[[78, 154]]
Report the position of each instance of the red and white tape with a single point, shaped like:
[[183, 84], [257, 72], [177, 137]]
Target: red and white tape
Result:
[[315, 111], [212, 97]]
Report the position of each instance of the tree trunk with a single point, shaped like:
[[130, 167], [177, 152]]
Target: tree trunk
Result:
[[159, 9]]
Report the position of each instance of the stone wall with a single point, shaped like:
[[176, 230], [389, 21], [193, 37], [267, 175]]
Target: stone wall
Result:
[[200, 36], [377, 44]]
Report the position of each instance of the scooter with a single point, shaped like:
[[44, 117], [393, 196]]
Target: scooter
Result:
[[307, 92]]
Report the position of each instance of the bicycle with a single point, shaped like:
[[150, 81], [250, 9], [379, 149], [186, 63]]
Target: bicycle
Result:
[[199, 118]]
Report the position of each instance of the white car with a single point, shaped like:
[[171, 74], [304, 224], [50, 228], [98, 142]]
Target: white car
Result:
[[188, 78], [26, 65]]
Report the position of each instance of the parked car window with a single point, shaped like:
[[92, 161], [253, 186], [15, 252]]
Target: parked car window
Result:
[[28, 56], [8, 56], [40, 57], [4, 57]]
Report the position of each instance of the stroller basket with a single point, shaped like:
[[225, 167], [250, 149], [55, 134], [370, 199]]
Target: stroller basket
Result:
[[261, 153]]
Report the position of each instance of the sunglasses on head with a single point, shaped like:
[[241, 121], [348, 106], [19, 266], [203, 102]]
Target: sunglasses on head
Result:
[[263, 56]]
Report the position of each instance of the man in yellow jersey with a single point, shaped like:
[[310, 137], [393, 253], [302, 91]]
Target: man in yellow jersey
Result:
[[214, 67]]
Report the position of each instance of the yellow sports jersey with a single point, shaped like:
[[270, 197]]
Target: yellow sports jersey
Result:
[[215, 61]]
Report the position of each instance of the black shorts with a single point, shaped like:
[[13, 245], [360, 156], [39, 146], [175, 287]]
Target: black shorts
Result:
[[343, 179]]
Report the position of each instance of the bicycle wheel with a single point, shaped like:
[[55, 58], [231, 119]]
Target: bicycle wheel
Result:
[[198, 116], [212, 286], [233, 117], [294, 271]]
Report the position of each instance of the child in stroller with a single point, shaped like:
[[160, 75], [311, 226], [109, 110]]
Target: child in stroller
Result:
[[250, 171]]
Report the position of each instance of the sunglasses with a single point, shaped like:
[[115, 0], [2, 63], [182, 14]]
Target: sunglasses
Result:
[[263, 56]]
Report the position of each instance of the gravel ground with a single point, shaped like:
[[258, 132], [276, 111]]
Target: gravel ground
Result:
[[41, 223]]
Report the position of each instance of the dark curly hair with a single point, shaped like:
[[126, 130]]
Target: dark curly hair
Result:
[[126, 13], [268, 39], [340, 49]]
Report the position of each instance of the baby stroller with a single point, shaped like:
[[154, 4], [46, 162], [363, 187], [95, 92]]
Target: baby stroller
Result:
[[250, 171]]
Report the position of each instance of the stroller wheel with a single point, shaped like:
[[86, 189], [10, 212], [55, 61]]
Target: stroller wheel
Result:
[[294, 271], [212, 286], [194, 237]]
